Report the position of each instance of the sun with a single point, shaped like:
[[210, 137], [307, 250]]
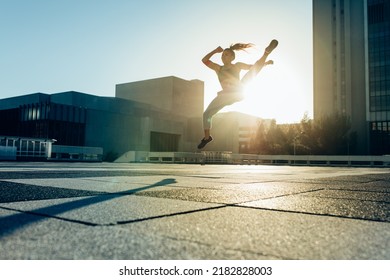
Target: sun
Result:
[[276, 93]]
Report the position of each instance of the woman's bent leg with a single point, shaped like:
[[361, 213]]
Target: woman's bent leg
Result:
[[222, 100], [218, 103]]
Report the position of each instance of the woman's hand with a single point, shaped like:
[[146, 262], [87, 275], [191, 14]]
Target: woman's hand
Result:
[[210, 64], [218, 50]]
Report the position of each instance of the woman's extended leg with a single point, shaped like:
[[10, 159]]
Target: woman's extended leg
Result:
[[255, 69]]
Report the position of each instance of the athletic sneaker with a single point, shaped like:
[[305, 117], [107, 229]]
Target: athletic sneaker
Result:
[[204, 142], [274, 43]]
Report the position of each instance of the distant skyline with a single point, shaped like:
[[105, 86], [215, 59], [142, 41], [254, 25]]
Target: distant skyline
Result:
[[92, 45]]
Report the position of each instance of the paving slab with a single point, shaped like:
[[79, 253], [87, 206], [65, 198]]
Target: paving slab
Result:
[[173, 211], [108, 184], [239, 194], [107, 209], [359, 195], [280, 235], [367, 210], [53, 239]]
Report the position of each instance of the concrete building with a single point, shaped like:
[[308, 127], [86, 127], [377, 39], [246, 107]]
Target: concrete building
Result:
[[339, 63], [180, 103], [163, 115], [351, 67], [171, 94]]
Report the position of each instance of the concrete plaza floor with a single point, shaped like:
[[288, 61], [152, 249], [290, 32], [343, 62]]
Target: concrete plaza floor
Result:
[[170, 211]]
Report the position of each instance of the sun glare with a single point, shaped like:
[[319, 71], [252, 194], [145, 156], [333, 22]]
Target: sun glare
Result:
[[276, 93]]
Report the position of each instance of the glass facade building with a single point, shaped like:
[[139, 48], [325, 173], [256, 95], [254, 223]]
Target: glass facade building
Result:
[[46, 120], [378, 27]]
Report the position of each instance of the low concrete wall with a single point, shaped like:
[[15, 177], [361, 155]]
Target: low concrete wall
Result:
[[312, 160], [133, 156], [229, 158], [76, 153], [175, 157]]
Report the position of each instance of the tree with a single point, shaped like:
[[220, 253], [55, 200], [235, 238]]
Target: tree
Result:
[[276, 139], [329, 135], [333, 134], [308, 137], [260, 142]]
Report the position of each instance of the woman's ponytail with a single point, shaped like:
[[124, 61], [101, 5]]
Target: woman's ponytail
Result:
[[240, 46]]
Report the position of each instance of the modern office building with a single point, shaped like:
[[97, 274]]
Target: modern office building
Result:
[[378, 29], [164, 115], [351, 68]]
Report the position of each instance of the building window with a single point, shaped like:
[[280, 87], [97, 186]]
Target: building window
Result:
[[380, 138], [376, 13]]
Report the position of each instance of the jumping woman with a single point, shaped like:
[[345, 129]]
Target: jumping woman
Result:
[[229, 78]]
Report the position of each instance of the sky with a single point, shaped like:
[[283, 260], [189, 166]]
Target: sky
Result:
[[91, 45]]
